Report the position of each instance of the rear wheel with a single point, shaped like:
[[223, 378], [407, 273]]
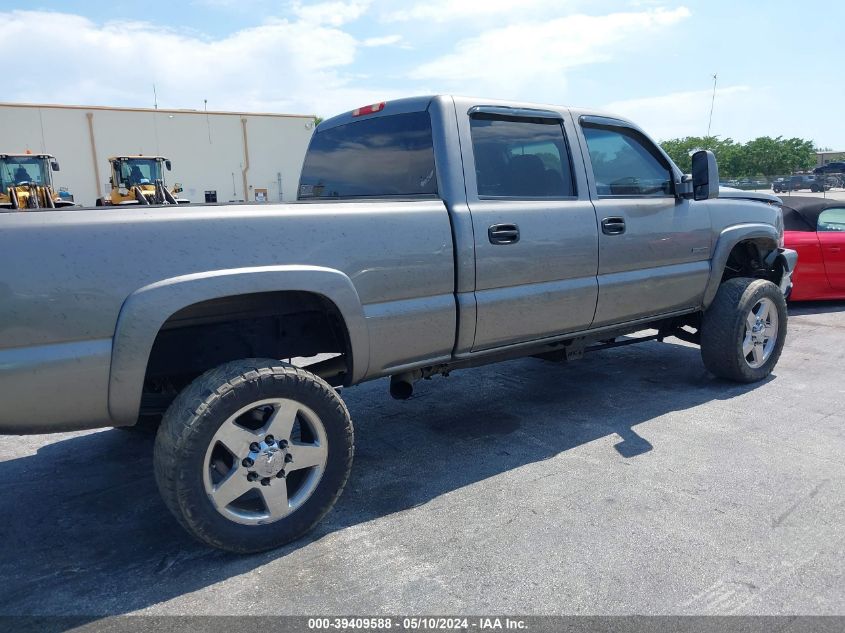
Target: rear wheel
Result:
[[253, 454], [744, 329]]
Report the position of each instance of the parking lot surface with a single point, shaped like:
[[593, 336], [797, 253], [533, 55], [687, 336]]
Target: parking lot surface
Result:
[[629, 482]]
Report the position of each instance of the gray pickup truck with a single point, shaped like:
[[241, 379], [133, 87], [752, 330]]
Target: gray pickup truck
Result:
[[431, 234]]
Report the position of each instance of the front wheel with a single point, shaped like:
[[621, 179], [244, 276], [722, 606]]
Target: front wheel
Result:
[[744, 329], [252, 454]]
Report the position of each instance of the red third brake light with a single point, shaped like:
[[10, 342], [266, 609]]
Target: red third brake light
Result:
[[370, 109]]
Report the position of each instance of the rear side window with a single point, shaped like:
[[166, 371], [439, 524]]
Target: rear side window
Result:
[[517, 157], [832, 220], [383, 156], [626, 164]]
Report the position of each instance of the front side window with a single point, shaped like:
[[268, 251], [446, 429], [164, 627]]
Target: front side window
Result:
[[520, 157], [832, 220], [626, 164], [370, 158]]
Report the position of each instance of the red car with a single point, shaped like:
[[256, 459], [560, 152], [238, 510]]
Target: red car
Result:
[[815, 227]]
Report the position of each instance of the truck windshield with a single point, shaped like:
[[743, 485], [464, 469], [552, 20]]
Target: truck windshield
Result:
[[137, 170], [17, 170], [379, 157]]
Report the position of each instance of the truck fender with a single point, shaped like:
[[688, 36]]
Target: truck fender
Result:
[[728, 239], [147, 309]]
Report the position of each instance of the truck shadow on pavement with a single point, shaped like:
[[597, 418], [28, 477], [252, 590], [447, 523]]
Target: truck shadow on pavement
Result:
[[84, 531]]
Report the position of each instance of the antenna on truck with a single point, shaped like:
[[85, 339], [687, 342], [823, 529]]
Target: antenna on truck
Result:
[[712, 103]]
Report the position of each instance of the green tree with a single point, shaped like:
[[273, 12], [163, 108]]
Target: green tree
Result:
[[802, 154], [762, 156], [727, 152]]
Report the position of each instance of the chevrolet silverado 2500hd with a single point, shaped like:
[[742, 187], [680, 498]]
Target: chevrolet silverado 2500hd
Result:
[[431, 234]]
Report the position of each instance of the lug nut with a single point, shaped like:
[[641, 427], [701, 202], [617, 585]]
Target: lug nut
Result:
[[265, 481], [288, 458], [251, 476], [269, 439], [254, 447], [247, 462], [283, 443], [280, 474]]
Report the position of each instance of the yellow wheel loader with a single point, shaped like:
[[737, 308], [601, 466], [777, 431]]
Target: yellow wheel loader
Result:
[[139, 180], [26, 183]]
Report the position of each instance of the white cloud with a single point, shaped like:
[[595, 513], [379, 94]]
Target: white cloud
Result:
[[331, 13], [450, 10], [532, 57], [739, 112], [281, 65], [386, 40]]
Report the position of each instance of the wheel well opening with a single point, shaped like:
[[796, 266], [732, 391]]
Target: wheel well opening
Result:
[[748, 259], [288, 325]]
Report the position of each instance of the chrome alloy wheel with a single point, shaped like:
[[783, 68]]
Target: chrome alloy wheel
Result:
[[761, 333], [265, 461]]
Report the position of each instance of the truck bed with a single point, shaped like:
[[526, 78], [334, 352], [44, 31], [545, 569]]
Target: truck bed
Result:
[[68, 273]]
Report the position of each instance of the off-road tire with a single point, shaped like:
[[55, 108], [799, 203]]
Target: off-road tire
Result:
[[723, 329], [194, 417]]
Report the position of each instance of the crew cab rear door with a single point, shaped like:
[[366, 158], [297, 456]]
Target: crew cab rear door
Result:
[[536, 243]]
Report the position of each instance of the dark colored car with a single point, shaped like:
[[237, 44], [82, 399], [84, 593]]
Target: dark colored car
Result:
[[835, 167], [799, 182]]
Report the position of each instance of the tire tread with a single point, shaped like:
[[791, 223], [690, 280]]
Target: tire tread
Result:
[[725, 318]]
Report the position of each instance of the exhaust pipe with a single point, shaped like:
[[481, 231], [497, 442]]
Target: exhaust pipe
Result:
[[402, 385]]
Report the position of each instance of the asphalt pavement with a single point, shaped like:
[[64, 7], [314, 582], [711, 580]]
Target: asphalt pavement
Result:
[[629, 482]]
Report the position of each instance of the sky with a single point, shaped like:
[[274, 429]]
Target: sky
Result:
[[779, 64]]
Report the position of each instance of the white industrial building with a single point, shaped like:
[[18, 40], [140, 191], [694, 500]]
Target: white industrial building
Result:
[[216, 156]]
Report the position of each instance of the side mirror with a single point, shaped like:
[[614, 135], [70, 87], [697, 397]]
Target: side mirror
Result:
[[54, 165], [705, 175], [167, 164]]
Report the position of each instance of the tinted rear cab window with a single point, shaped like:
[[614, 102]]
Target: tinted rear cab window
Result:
[[519, 157], [387, 156]]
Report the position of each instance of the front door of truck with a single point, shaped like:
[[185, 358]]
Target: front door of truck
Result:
[[534, 227], [654, 248]]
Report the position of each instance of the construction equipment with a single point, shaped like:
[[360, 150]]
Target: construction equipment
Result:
[[26, 183], [139, 180]]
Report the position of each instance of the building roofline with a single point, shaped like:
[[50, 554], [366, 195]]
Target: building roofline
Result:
[[58, 106]]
